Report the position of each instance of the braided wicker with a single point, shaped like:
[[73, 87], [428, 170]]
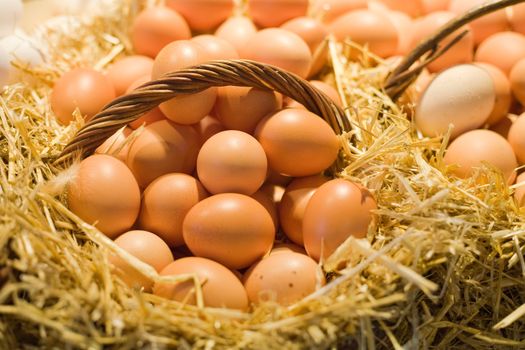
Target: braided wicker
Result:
[[128, 108]]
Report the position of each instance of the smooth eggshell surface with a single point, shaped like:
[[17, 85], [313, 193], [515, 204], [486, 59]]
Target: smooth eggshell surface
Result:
[[216, 48], [265, 198], [337, 210], [115, 144], [329, 10], [165, 203], [146, 247], [273, 13], [312, 31], [463, 96], [82, 88], [285, 278], [220, 286], [516, 17], [163, 147], [238, 31], [517, 81], [232, 229], [473, 148], [232, 161], [127, 70], [516, 138], [203, 15], [156, 27], [297, 142], [207, 127], [105, 193], [503, 93], [519, 194], [503, 50]]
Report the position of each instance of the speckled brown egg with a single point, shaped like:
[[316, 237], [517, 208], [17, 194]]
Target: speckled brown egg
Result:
[[105, 193]]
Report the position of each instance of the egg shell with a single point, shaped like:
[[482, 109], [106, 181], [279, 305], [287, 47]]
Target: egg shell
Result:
[[484, 26], [163, 147], [128, 70], [516, 138], [265, 198], [461, 52], [184, 109], [285, 278], [146, 247], [503, 93], [115, 144], [152, 116], [82, 88], [242, 108], [337, 210], [155, 28], [519, 193], [11, 12], [207, 127], [510, 43], [274, 191], [232, 161], [413, 8], [203, 15], [280, 48], [287, 248], [5, 67], [403, 24], [165, 203], [273, 13], [274, 178], [328, 90], [329, 10], [503, 126], [473, 148], [448, 99], [297, 142], [517, 81], [516, 18], [312, 31], [293, 204], [368, 28], [232, 229], [238, 31], [105, 193], [22, 49], [220, 286], [216, 48], [430, 6]]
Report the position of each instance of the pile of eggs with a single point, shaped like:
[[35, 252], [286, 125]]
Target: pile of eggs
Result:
[[210, 178]]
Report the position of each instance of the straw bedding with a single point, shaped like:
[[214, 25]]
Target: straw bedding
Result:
[[442, 266]]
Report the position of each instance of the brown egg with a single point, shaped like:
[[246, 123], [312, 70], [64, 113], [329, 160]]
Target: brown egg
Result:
[[155, 28], [503, 126], [329, 10], [280, 48], [232, 161], [519, 194], [516, 138], [220, 286], [293, 204], [82, 88], [484, 26], [309, 29], [216, 48], [287, 248], [242, 108], [413, 8], [274, 191], [104, 193], [461, 52], [238, 31], [462, 96], [368, 28], [115, 145], [146, 247], [330, 91], [230, 228], [275, 178], [473, 148], [184, 109], [285, 278], [128, 70], [503, 50], [163, 147], [403, 24], [207, 127], [165, 203], [203, 15], [337, 210], [150, 117], [517, 81], [430, 6], [265, 198], [273, 13], [516, 18], [297, 142], [503, 94]]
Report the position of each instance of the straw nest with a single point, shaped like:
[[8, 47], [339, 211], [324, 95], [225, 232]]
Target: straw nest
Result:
[[442, 266]]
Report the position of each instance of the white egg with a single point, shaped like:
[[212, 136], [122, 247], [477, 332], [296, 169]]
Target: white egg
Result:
[[17, 47], [5, 65], [10, 14]]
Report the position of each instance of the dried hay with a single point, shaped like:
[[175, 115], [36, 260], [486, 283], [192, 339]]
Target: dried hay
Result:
[[442, 267]]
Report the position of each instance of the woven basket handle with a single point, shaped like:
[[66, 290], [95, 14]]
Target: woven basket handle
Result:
[[128, 108]]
